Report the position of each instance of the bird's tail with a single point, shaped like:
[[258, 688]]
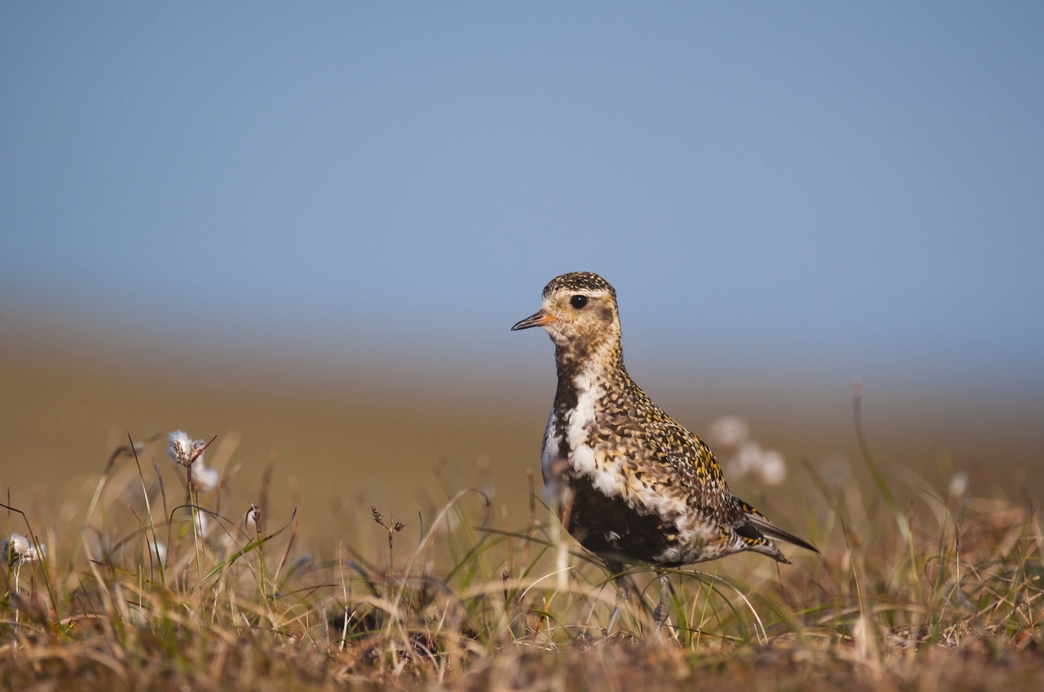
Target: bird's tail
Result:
[[769, 530]]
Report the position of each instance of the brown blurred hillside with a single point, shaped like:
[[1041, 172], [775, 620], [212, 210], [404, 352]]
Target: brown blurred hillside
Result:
[[377, 434]]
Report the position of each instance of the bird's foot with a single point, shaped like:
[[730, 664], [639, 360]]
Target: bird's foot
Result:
[[663, 608], [610, 629]]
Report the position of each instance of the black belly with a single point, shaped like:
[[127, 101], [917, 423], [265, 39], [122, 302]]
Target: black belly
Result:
[[610, 528]]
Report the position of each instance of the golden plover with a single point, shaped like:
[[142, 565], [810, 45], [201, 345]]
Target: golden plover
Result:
[[630, 483]]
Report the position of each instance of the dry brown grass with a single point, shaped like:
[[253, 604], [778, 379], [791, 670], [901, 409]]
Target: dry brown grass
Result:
[[914, 590]]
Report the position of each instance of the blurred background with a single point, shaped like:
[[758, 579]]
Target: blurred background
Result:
[[307, 229]]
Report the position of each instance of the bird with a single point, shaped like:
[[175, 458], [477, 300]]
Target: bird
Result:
[[628, 482]]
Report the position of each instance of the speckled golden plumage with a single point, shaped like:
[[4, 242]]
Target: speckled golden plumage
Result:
[[630, 483]]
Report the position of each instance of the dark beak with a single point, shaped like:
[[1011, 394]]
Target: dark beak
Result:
[[536, 320]]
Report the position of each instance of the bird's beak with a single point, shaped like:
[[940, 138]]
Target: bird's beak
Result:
[[538, 319]]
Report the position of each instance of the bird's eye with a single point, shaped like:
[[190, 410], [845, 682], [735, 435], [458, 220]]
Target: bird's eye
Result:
[[578, 301]]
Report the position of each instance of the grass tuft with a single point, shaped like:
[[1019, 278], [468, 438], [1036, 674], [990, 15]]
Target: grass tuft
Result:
[[945, 594]]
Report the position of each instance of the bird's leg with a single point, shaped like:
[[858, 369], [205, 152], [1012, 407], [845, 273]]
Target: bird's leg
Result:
[[624, 590], [663, 609], [617, 609]]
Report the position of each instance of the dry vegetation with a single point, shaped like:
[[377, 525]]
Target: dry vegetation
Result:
[[914, 590]]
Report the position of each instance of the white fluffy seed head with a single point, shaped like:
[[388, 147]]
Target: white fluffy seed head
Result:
[[18, 549], [159, 551], [202, 523], [184, 450], [766, 464], [746, 460], [728, 431], [15, 547], [773, 470], [204, 480], [958, 484], [35, 553]]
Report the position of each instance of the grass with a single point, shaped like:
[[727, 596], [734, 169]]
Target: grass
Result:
[[152, 586]]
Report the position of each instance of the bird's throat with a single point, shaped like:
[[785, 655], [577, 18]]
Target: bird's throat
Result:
[[583, 375]]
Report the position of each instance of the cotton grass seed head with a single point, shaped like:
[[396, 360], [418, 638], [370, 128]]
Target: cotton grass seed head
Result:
[[204, 480], [17, 549], [728, 431], [159, 551], [202, 523], [773, 469], [767, 465], [183, 450], [746, 459], [958, 484]]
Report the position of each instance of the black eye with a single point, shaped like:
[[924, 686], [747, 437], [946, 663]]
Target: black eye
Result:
[[578, 301]]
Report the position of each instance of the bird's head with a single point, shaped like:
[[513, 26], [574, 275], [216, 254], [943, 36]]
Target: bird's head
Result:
[[579, 313]]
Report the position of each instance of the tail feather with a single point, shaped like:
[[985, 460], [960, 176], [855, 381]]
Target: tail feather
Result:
[[772, 531], [769, 530]]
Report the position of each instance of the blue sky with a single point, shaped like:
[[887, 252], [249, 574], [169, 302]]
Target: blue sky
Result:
[[768, 185]]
